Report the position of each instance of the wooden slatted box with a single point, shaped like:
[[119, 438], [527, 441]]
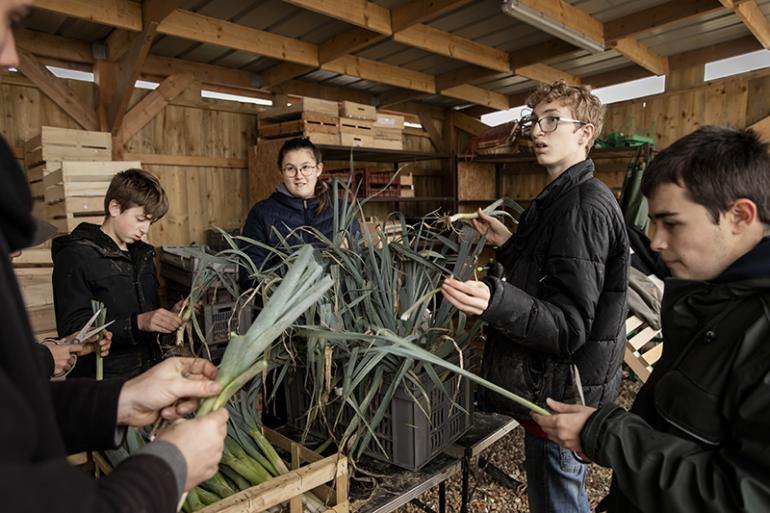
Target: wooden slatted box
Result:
[[75, 191], [356, 132], [55, 144], [313, 118], [34, 269]]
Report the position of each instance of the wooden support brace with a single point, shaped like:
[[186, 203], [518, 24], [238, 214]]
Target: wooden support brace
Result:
[[57, 90], [153, 104]]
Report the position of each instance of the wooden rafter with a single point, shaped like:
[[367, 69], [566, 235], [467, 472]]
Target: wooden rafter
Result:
[[642, 55], [361, 13], [478, 95], [466, 75], [644, 21], [752, 16], [468, 124], [397, 97], [444, 43], [57, 90], [426, 120], [368, 69], [546, 74], [419, 11]]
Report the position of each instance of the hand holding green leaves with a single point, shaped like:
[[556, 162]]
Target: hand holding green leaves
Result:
[[171, 389], [471, 297]]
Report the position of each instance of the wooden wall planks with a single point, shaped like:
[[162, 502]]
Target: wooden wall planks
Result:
[[199, 196]]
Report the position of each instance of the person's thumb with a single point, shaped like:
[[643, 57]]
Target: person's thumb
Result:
[[184, 387], [558, 407]]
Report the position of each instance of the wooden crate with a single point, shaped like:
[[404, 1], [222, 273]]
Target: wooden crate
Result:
[[320, 128], [387, 120], [357, 111], [290, 112], [34, 269], [388, 138], [67, 144], [326, 478], [357, 127], [347, 139], [644, 347], [75, 191]]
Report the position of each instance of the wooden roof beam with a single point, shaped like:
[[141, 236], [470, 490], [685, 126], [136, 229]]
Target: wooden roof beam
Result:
[[395, 97], [123, 14], [444, 43], [561, 20], [644, 21], [360, 13], [752, 16], [419, 11], [478, 95], [642, 55], [546, 74]]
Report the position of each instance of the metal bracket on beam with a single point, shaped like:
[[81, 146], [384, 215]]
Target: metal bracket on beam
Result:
[[99, 51]]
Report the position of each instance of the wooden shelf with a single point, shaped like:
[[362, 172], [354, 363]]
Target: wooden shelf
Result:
[[375, 154], [506, 158], [392, 199]]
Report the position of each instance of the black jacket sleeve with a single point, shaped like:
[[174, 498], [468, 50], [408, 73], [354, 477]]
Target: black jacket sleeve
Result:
[[141, 483], [72, 301], [87, 412], [661, 472], [560, 319], [46, 359]]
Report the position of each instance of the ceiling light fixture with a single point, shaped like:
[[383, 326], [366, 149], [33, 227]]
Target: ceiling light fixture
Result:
[[538, 19]]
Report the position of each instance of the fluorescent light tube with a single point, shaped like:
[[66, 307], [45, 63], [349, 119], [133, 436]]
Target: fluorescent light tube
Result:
[[537, 19]]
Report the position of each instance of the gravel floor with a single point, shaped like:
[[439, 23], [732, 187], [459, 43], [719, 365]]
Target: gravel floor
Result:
[[508, 454]]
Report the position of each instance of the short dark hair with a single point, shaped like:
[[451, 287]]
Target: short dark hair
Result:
[[137, 188], [717, 165], [298, 143]]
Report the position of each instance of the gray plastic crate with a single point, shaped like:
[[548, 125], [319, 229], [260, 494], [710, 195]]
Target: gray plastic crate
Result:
[[217, 325], [410, 439]]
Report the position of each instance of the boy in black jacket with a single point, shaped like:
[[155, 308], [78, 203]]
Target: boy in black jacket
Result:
[[111, 263], [562, 302], [698, 435]]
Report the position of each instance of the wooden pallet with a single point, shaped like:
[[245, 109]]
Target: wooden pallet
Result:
[[290, 112], [644, 347], [67, 144]]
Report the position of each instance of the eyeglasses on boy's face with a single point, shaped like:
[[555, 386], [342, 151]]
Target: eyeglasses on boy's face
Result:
[[547, 124], [306, 170]]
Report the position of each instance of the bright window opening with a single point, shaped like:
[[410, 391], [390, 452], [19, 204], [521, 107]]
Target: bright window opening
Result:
[[234, 98], [631, 90], [735, 65]]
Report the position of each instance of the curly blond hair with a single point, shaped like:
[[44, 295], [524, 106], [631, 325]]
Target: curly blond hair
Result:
[[584, 105]]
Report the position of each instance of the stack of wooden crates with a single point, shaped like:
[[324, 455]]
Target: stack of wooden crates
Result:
[[69, 172], [315, 119], [331, 123]]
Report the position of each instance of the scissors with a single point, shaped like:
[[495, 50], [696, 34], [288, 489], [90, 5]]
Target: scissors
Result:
[[86, 332]]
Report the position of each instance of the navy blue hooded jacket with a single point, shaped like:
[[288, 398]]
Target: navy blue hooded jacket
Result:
[[285, 213]]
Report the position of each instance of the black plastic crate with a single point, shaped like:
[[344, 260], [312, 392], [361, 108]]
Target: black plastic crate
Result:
[[410, 438], [217, 323], [217, 242]]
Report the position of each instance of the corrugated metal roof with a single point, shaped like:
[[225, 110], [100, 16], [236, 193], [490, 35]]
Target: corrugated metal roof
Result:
[[482, 21]]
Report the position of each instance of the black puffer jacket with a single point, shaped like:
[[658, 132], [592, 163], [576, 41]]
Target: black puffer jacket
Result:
[[41, 421], [563, 299], [698, 435], [89, 265]]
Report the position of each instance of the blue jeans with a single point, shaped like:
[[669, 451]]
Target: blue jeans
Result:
[[555, 479]]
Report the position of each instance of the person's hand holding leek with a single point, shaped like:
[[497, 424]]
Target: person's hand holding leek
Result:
[[171, 389]]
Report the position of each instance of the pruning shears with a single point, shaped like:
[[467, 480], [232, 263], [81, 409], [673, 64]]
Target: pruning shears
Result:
[[87, 332]]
